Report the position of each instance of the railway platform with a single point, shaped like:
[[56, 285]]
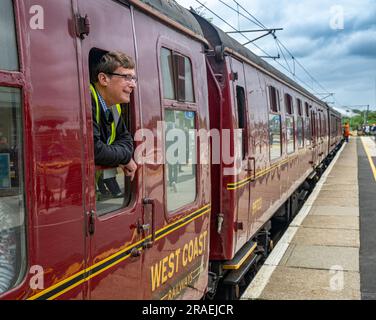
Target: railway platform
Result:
[[327, 253]]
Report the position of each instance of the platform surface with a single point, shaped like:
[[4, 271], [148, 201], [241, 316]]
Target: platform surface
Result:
[[328, 252]]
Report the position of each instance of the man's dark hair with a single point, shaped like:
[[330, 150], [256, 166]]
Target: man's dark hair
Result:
[[110, 61]]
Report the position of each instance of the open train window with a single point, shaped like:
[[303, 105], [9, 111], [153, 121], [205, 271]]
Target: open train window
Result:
[[299, 107], [306, 108], [177, 77], [114, 190], [8, 39], [289, 104], [273, 99]]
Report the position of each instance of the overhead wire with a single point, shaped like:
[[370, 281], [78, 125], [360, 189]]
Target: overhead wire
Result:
[[280, 45], [258, 47]]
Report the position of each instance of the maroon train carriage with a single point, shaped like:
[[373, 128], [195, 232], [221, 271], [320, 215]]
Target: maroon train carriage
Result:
[[154, 243], [58, 238], [286, 140]]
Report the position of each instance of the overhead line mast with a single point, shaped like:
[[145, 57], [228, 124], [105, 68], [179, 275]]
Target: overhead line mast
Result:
[[267, 54], [279, 44]]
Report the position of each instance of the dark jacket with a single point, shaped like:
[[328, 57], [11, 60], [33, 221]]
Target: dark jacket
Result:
[[121, 151]]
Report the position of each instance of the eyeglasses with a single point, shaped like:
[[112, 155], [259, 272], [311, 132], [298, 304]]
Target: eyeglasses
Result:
[[126, 77]]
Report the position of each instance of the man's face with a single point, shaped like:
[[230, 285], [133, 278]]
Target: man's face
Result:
[[118, 89]]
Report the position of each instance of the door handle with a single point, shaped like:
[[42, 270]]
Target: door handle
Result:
[[253, 170], [90, 215], [148, 201]]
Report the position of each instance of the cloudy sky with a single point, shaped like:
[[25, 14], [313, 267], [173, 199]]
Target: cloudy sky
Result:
[[334, 40]]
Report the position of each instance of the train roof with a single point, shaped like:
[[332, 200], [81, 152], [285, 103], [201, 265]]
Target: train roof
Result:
[[218, 37], [174, 11], [335, 112]]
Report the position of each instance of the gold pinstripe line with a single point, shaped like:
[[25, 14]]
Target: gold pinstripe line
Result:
[[207, 207], [238, 265], [239, 184]]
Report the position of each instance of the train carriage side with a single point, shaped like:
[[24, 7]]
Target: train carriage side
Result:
[[283, 142], [40, 107], [173, 88]]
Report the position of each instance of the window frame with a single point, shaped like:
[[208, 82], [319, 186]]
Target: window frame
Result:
[[18, 79], [175, 105], [170, 214], [288, 116], [18, 35], [277, 108], [244, 123], [277, 112], [289, 104], [129, 199], [290, 113], [175, 51]]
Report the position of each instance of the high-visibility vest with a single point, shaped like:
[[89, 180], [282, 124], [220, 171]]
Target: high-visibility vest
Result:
[[98, 113]]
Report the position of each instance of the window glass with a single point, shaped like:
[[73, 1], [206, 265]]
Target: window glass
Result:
[[290, 136], [319, 129], [299, 106], [273, 99], [240, 99], [8, 42], [189, 95], [306, 107], [300, 134], [184, 78], [275, 136], [180, 151], [167, 74], [332, 125], [307, 132], [289, 104], [12, 212]]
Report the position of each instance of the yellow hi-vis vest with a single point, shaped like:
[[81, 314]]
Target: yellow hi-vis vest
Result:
[[98, 113]]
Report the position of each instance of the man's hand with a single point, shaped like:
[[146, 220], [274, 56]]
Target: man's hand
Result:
[[130, 169]]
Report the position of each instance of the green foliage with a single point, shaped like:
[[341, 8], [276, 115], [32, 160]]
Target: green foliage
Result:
[[357, 121]]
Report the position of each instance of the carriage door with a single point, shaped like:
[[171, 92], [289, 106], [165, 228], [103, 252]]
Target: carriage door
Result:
[[242, 190], [113, 202]]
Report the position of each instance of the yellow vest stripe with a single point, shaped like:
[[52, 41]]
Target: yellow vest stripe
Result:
[[97, 113]]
